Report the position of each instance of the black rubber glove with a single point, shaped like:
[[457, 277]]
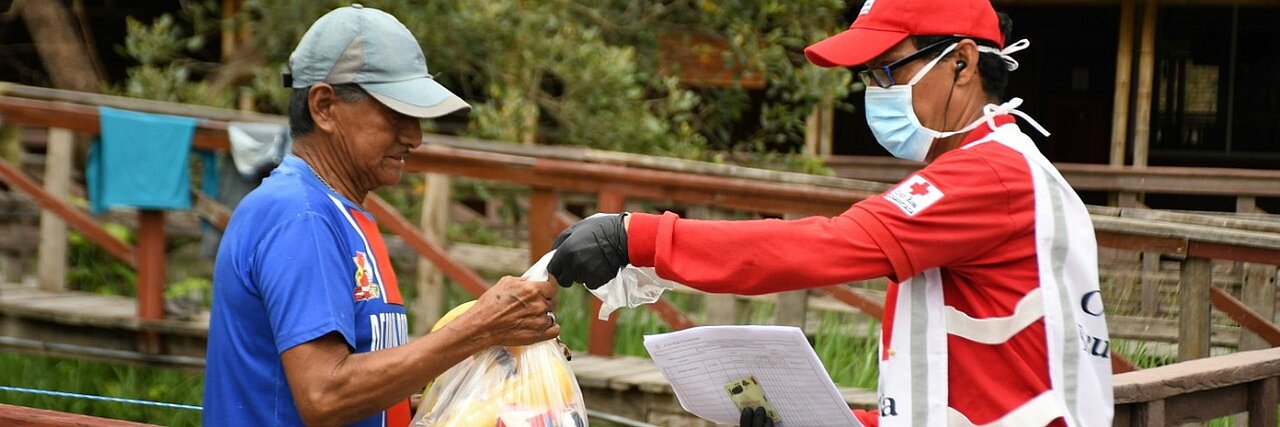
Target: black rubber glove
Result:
[[590, 252], [755, 418]]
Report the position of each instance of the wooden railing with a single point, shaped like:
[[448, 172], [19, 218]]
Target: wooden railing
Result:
[[1127, 182], [617, 178], [1201, 390], [11, 415]]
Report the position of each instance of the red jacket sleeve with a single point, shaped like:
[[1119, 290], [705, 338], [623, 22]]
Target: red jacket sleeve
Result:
[[755, 257], [948, 214]]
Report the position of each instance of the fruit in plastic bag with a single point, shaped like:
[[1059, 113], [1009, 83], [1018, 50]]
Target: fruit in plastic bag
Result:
[[504, 386]]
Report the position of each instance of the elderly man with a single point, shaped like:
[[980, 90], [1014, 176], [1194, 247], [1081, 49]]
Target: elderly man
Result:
[[308, 324], [994, 315]]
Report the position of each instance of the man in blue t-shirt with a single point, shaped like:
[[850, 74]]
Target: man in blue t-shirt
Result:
[[308, 325]]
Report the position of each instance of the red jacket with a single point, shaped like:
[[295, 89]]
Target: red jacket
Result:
[[970, 213]]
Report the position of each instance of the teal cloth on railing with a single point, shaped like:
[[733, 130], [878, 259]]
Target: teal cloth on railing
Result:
[[209, 175], [140, 161]]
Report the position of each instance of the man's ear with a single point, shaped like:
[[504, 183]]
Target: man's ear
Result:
[[321, 101], [965, 63]]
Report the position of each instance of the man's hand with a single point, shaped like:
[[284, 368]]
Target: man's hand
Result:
[[590, 252], [755, 417], [513, 312], [332, 386]]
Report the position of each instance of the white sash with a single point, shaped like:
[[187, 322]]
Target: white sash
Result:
[[913, 379]]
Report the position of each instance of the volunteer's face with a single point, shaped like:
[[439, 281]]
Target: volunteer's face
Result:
[[376, 139], [929, 95]]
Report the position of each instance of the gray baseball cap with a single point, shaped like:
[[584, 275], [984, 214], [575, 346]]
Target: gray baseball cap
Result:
[[371, 48]]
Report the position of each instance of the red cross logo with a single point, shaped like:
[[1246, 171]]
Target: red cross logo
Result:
[[920, 189]]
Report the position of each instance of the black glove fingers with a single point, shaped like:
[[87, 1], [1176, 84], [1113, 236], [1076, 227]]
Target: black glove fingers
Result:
[[590, 252], [556, 268], [620, 232], [564, 235]]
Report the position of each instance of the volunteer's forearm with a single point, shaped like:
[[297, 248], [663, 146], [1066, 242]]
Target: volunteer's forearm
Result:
[[346, 387], [755, 257]]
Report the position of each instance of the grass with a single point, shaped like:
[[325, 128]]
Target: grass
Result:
[[102, 379], [848, 354]]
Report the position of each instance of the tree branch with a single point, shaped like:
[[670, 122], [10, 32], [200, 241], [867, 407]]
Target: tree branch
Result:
[[60, 49], [240, 65]]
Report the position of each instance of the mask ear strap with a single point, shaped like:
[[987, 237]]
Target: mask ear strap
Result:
[[990, 111], [1009, 63], [920, 74]]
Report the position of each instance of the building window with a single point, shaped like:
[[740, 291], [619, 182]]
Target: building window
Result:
[[1216, 89]]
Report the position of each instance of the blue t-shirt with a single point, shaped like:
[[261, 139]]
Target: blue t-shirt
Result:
[[298, 261]]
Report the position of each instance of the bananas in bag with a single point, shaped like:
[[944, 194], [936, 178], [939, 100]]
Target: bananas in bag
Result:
[[524, 386], [504, 387]]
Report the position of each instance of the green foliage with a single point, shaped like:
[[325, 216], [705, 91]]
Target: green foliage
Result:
[[102, 379], [1141, 353], [92, 269], [167, 51], [10, 144], [198, 290], [562, 71], [769, 35], [848, 345], [476, 232]]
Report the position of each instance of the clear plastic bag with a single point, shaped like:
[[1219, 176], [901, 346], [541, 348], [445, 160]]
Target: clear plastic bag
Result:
[[632, 287], [505, 386], [509, 387]]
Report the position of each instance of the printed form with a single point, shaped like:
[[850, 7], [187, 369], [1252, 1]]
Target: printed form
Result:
[[699, 362]]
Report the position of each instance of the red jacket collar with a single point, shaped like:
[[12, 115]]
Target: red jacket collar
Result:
[[983, 130]]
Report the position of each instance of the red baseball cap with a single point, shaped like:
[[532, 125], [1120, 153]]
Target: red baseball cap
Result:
[[881, 24]]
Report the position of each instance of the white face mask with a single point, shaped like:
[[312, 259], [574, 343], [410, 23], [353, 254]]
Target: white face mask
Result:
[[893, 120]]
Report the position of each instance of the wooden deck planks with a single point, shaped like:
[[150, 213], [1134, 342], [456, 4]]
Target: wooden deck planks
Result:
[[86, 309]]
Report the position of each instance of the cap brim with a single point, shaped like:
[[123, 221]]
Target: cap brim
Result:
[[853, 47], [423, 97]]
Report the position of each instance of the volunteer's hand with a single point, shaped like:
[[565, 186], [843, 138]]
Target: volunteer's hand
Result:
[[755, 417], [513, 312], [590, 252]]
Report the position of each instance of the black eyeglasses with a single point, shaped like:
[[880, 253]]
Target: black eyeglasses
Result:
[[883, 76]]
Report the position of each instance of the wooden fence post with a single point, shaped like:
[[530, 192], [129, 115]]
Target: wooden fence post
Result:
[[1193, 308], [603, 333], [792, 309], [1149, 414], [1146, 73], [543, 203], [432, 291], [1264, 395], [150, 260], [793, 306], [1150, 292], [722, 309], [1247, 204], [1259, 293], [1124, 71], [51, 262]]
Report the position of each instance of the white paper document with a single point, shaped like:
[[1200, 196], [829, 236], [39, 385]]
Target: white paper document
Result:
[[699, 362]]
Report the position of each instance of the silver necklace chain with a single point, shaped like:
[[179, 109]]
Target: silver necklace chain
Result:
[[322, 181]]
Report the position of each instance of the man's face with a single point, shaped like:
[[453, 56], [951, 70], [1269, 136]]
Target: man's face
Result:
[[376, 139], [929, 95]]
